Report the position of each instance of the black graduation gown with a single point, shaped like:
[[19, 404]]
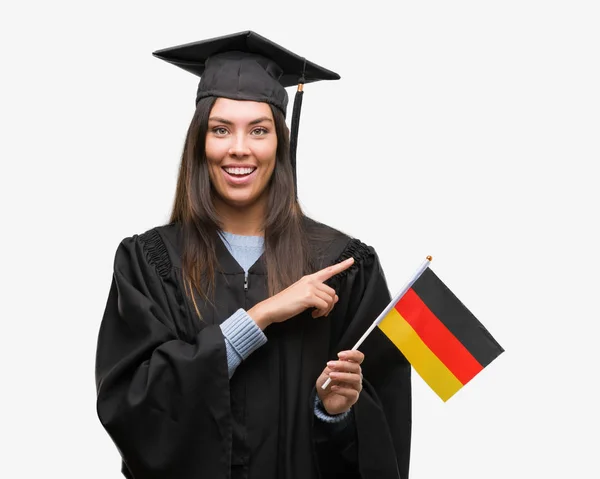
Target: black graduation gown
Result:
[[165, 398]]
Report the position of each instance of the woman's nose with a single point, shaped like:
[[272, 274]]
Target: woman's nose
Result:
[[239, 146]]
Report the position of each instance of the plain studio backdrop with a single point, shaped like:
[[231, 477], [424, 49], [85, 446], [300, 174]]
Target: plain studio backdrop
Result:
[[465, 130]]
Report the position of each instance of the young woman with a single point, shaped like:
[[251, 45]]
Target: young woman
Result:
[[222, 326]]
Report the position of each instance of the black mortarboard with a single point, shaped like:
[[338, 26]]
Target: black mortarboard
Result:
[[247, 66]]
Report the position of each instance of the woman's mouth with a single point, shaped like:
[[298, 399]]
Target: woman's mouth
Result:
[[239, 175]]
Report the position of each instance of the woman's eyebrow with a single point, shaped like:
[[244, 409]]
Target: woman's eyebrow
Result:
[[217, 119], [260, 120]]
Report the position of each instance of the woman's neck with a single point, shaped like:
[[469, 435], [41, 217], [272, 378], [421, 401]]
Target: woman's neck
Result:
[[247, 221]]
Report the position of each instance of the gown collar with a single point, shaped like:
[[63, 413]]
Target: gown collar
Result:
[[229, 265]]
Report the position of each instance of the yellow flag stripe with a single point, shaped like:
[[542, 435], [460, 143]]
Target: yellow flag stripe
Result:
[[424, 361]]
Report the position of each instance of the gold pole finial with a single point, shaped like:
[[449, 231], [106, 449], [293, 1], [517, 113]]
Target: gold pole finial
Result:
[[429, 258]]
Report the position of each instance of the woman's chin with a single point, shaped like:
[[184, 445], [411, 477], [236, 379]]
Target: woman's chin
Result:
[[240, 201]]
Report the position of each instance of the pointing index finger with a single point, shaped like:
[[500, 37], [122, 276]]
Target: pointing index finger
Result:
[[330, 271]]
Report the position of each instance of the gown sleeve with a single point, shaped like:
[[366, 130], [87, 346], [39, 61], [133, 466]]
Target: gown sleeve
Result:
[[383, 413], [163, 401]]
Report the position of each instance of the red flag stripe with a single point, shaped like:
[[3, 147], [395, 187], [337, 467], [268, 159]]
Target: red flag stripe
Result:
[[438, 337]]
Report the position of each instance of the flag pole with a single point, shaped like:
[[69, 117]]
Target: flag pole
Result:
[[389, 307]]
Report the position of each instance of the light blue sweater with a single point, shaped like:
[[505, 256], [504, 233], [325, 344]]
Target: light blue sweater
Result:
[[242, 334]]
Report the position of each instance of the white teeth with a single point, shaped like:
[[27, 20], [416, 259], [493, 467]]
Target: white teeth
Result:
[[239, 171]]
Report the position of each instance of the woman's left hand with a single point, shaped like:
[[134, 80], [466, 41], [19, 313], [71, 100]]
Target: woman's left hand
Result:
[[346, 382]]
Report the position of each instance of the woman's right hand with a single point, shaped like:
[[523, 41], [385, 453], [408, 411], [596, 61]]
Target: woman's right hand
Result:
[[310, 291]]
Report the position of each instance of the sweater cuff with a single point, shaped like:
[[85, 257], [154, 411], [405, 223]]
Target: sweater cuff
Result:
[[243, 333], [325, 416]]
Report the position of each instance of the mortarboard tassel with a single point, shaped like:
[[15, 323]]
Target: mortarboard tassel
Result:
[[295, 125], [294, 132]]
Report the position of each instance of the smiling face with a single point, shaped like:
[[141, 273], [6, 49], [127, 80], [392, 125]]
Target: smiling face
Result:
[[241, 146]]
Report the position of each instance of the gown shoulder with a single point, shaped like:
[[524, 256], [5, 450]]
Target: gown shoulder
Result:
[[331, 245], [150, 377], [384, 410]]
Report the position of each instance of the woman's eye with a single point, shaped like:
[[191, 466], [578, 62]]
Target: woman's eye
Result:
[[219, 130], [259, 131]]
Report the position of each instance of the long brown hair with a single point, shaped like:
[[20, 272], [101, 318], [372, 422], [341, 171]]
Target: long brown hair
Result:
[[193, 208]]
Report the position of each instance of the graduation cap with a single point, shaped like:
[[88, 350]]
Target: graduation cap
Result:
[[248, 66]]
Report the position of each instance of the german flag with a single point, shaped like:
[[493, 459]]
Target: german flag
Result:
[[439, 336]]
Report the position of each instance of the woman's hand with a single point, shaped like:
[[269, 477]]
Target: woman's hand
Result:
[[310, 291], [346, 382]]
